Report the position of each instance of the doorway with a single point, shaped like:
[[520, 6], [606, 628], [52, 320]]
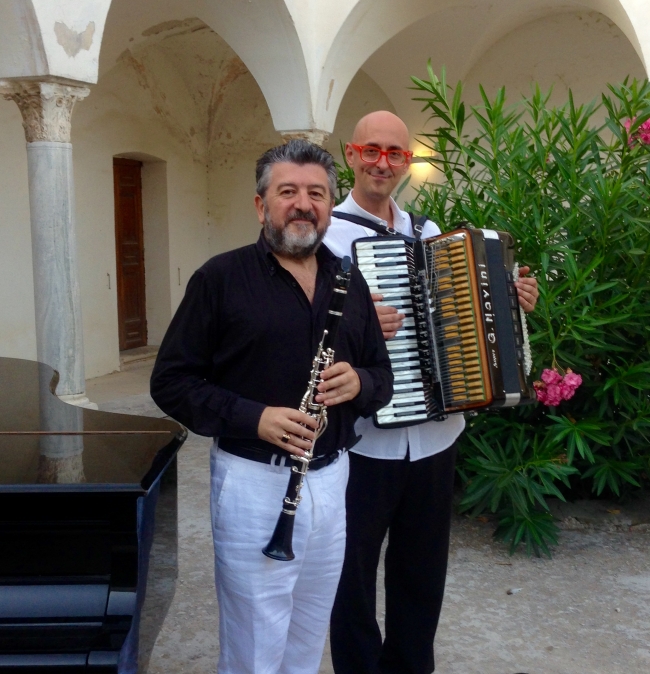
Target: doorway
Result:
[[129, 242]]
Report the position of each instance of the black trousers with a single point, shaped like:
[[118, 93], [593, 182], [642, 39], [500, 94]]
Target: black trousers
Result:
[[412, 501]]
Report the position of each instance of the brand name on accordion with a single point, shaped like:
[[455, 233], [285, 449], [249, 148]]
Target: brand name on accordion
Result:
[[488, 316]]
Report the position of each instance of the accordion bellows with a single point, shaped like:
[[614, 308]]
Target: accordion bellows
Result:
[[463, 344]]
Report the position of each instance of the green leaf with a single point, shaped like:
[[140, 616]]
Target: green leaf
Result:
[[575, 196]]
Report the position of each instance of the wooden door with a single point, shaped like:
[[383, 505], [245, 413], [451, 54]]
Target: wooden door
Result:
[[131, 302]]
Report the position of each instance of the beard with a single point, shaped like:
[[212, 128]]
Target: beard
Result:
[[298, 244]]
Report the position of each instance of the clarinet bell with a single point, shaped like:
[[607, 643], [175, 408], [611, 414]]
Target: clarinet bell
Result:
[[279, 547]]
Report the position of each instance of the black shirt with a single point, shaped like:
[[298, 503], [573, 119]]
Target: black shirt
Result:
[[244, 337]]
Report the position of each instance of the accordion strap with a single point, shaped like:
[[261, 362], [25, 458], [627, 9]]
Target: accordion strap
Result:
[[382, 230], [418, 225]]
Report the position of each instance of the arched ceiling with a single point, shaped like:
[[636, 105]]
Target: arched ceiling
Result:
[[186, 77], [373, 23], [261, 32], [550, 54], [62, 38], [302, 53]]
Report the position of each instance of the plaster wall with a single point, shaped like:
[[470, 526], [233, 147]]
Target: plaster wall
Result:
[[21, 47], [71, 34], [364, 95], [120, 118], [45, 38], [245, 131], [318, 45], [17, 323], [262, 33], [582, 50], [317, 24]]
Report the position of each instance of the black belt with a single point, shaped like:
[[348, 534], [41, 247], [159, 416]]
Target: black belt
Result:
[[263, 456]]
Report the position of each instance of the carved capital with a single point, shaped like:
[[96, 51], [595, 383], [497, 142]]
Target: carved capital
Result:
[[315, 136], [46, 107]]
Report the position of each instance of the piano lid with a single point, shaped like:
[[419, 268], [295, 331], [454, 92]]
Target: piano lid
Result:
[[46, 444]]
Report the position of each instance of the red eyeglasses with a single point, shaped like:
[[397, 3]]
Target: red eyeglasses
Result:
[[372, 155]]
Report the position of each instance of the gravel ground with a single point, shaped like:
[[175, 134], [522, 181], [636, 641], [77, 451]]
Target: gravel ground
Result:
[[586, 611]]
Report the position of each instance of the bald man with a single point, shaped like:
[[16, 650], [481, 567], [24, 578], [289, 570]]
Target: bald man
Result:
[[401, 480]]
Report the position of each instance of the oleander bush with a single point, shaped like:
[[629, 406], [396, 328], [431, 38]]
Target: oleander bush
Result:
[[572, 185]]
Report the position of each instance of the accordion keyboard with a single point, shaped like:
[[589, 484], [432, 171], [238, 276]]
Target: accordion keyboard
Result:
[[384, 263], [462, 370]]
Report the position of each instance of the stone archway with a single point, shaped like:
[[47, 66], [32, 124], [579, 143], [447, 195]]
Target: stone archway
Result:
[[372, 23]]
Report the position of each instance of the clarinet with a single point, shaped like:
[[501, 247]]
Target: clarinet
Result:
[[279, 547]]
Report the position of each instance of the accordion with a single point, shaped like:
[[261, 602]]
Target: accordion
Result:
[[463, 344]]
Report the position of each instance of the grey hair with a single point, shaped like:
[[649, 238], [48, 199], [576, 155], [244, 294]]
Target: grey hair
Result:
[[299, 152]]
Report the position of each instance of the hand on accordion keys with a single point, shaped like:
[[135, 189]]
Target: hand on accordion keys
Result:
[[391, 321], [527, 290], [389, 318]]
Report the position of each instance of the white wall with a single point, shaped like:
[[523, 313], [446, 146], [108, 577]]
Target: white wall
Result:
[[245, 131], [583, 51], [364, 95], [41, 37], [17, 326], [127, 112]]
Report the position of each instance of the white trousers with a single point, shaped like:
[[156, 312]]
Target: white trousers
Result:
[[273, 616]]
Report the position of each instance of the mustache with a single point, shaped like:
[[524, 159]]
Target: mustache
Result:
[[310, 216]]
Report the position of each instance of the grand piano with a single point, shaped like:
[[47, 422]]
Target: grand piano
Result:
[[88, 530]]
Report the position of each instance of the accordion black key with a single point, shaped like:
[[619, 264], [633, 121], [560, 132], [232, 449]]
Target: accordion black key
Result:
[[463, 344]]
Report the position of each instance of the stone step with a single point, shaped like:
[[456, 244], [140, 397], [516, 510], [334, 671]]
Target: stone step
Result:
[[139, 355]]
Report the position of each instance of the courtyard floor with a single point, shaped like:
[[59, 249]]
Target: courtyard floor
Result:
[[586, 611]]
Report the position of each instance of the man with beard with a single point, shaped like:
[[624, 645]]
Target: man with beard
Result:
[[401, 479], [234, 365]]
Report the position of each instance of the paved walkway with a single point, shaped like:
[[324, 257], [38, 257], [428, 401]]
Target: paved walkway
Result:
[[586, 611]]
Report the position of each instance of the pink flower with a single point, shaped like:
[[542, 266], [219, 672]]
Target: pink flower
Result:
[[566, 391], [541, 393], [572, 379], [551, 376], [554, 388], [553, 395], [642, 133]]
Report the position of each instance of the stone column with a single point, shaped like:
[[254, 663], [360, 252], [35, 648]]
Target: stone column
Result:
[[46, 108], [315, 136], [61, 456]]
